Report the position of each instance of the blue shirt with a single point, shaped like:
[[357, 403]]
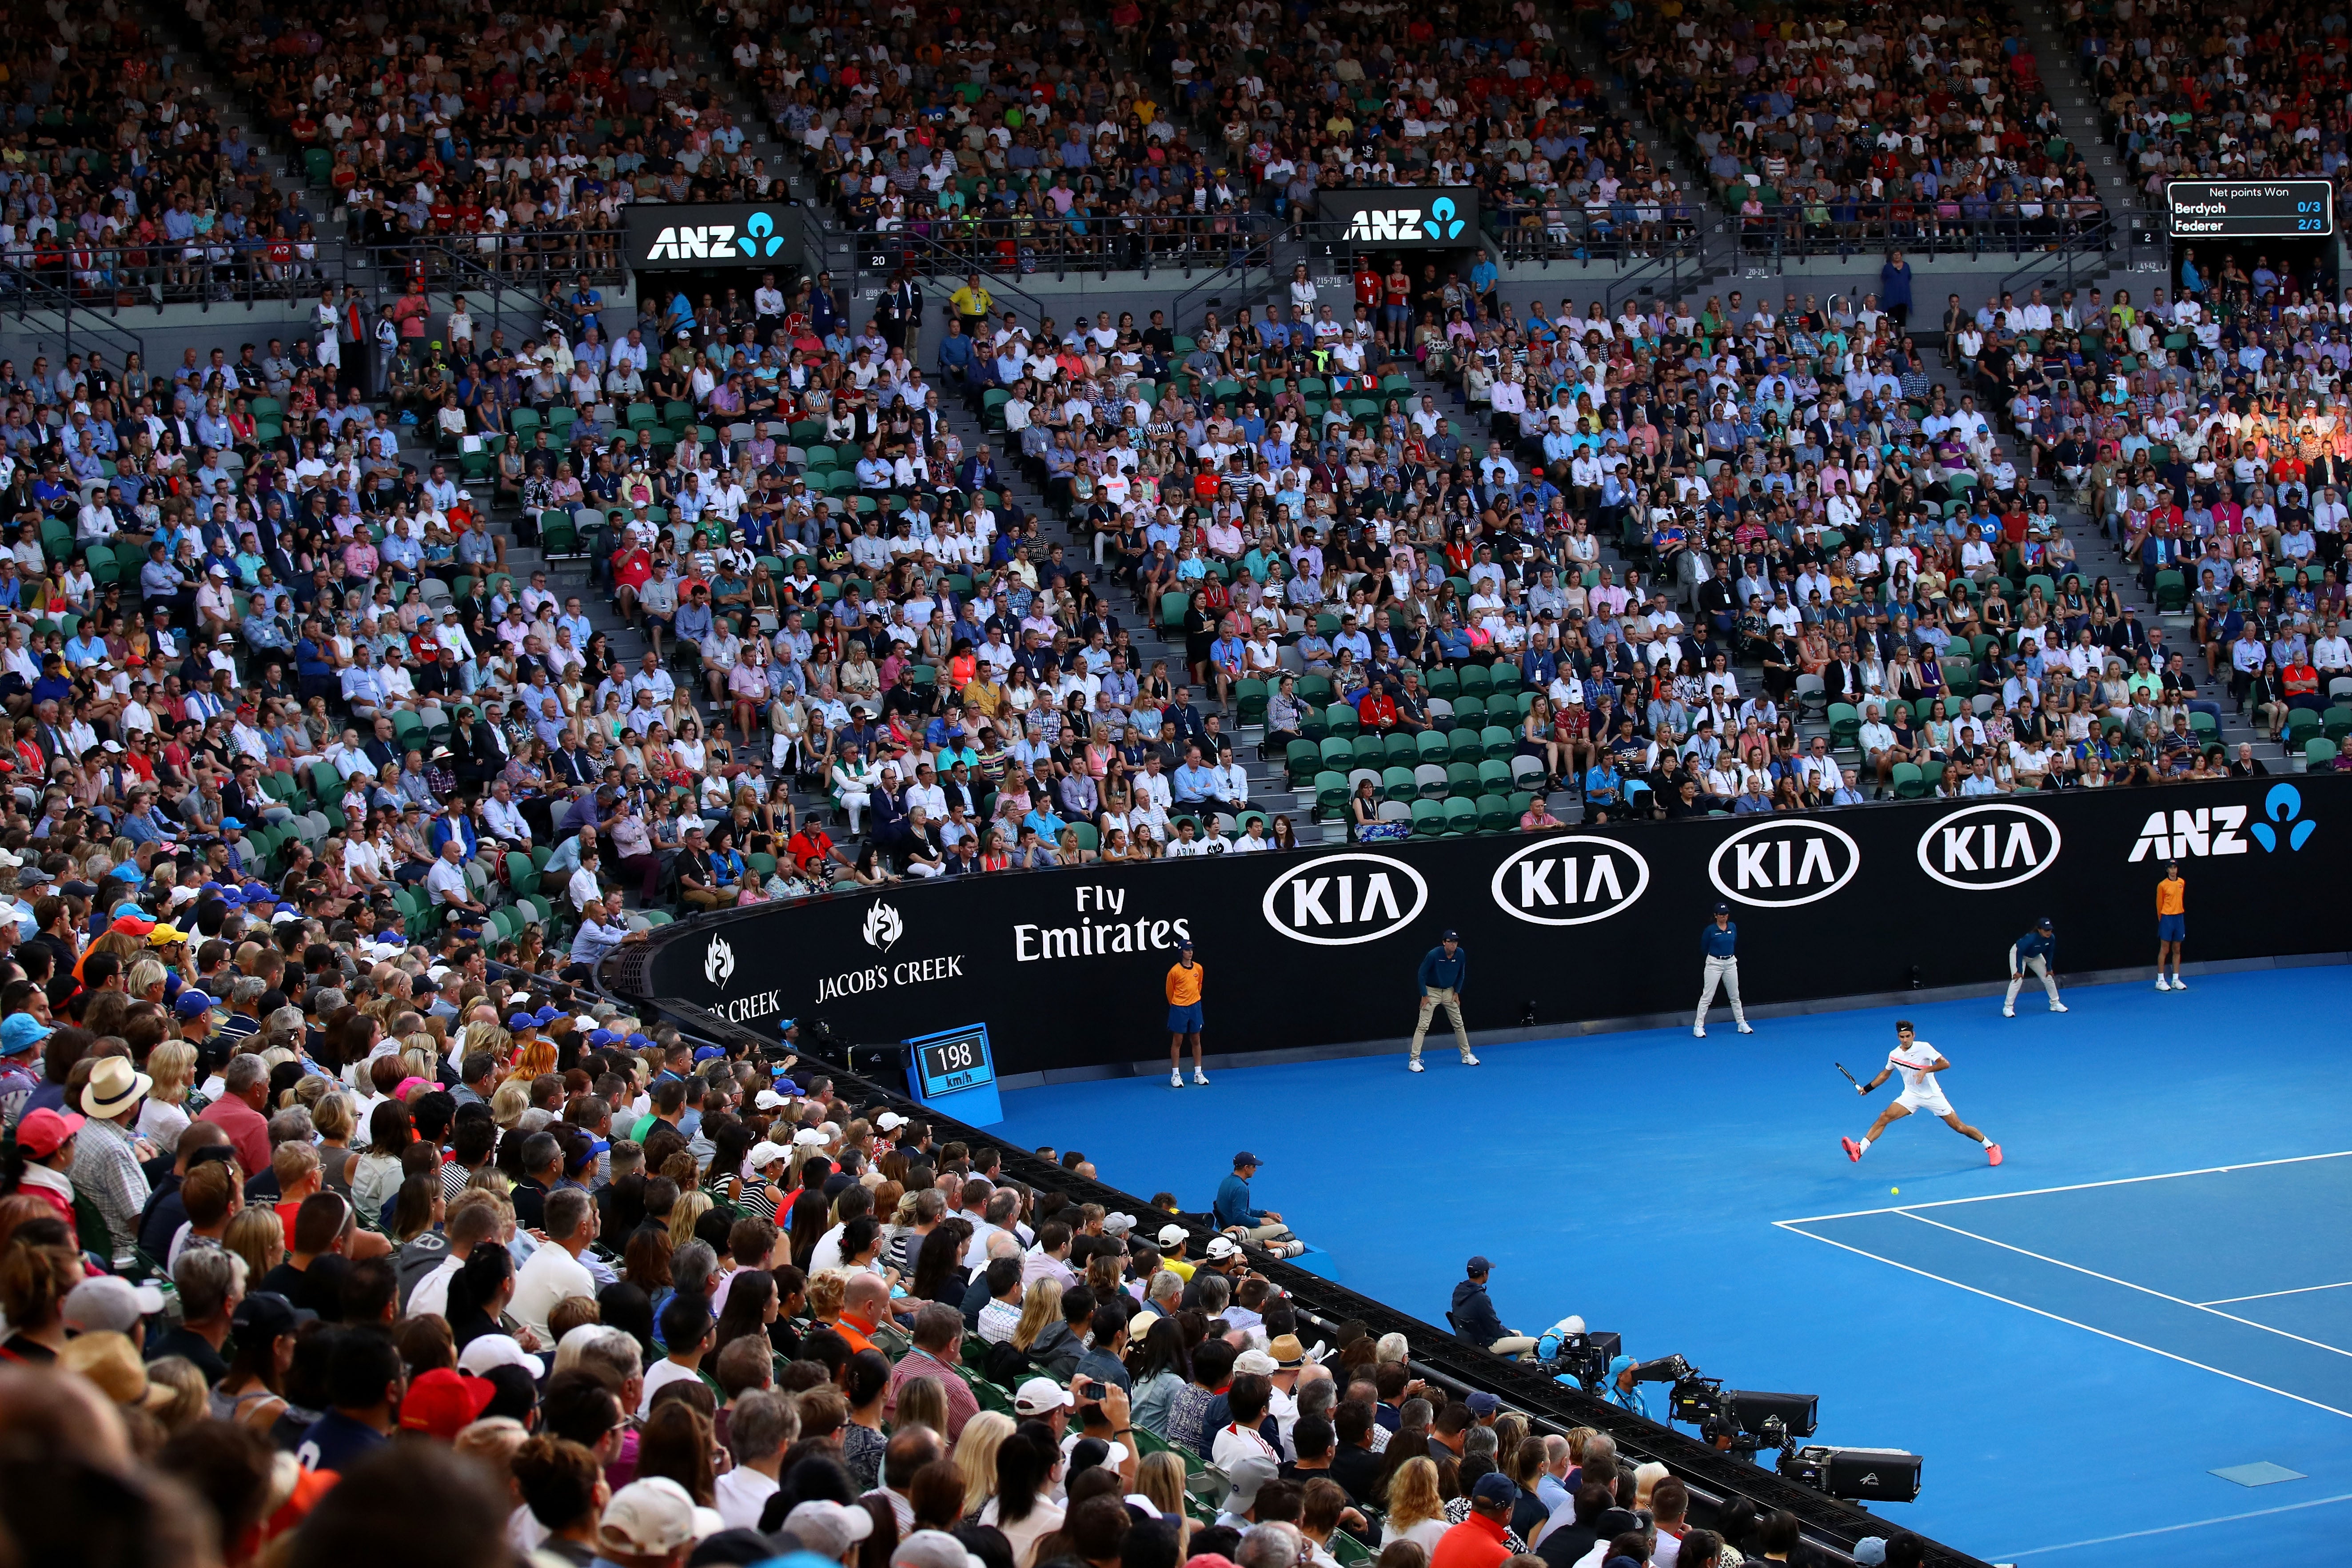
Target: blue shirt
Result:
[[1441, 973], [336, 1442], [2033, 945], [1234, 1203], [1722, 943]]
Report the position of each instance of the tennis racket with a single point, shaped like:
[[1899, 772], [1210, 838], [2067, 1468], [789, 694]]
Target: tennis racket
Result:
[[1850, 1077]]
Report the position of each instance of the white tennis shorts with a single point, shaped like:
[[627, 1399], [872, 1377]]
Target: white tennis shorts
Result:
[[1928, 1097]]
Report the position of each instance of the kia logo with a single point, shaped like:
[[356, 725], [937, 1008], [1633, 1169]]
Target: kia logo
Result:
[[1571, 880], [1339, 900], [1779, 865], [1980, 847]]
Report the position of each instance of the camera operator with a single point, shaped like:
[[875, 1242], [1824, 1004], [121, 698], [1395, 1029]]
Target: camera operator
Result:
[[1474, 1318], [1624, 1390]]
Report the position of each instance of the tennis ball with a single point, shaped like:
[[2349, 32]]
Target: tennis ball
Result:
[[1896, 1191]]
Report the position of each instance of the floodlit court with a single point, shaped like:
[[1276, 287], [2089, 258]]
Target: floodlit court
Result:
[[2129, 1344]]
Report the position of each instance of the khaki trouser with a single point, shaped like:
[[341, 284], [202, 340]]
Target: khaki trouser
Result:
[[2018, 972], [1512, 1345], [1723, 971], [1434, 997]]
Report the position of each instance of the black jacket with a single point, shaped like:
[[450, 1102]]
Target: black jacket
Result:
[[1474, 1314]]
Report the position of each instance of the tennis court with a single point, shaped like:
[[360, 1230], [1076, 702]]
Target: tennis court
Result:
[[2244, 1272], [2127, 1346]]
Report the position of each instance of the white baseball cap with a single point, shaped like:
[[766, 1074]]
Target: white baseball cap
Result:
[[829, 1529], [1172, 1235], [1040, 1395], [653, 1518]]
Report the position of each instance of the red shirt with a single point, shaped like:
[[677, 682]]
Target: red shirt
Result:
[[1475, 1542], [1378, 709], [248, 1133]]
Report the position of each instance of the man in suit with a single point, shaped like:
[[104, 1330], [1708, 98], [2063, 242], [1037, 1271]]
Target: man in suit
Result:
[[476, 749], [568, 763], [901, 311], [1842, 677]]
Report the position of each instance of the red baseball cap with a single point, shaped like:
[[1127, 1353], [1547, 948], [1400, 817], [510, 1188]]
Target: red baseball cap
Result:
[[444, 1402], [44, 1132]]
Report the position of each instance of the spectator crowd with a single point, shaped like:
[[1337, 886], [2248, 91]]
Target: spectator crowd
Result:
[[311, 1256]]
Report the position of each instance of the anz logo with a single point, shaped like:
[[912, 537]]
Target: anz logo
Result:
[[1338, 900], [2214, 831], [718, 241], [1388, 224]]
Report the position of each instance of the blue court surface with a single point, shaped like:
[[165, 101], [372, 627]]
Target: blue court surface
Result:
[[2154, 1287]]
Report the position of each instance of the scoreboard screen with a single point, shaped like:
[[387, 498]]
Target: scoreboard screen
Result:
[[2251, 209]]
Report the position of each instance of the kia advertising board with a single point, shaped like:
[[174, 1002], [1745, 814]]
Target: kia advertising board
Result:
[[1067, 967]]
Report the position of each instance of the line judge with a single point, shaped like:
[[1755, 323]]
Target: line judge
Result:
[[1443, 970]]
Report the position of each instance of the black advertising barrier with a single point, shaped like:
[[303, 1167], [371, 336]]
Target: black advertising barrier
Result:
[[1321, 947]]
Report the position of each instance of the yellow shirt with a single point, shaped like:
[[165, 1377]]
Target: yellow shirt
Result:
[[969, 301], [1184, 984]]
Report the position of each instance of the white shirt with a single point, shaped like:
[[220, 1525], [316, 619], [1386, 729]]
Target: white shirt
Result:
[[827, 1254], [1914, 1062], [432, 1292], [551, 1275], [505, 820], [448, 876], [743, 1495], [658, 1376]]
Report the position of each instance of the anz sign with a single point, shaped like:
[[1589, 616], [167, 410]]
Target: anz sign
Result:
[[664, 235], [1401, 218]]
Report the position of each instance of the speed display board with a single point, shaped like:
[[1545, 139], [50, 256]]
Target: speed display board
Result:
[[2251, 209]]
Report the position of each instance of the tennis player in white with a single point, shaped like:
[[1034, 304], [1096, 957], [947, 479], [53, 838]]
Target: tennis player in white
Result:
[[1918, 1062]]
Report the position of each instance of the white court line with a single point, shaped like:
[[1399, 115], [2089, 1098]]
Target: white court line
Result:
[[2266, 1295], [2169, 1529], [2143, 1290], [1791, 1224], [2074, 1187]]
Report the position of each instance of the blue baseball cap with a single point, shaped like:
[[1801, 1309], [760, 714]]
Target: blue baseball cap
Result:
[[192, 1003], [260, 893], [521, 1021], [638, 1042], [128, 907], [20, 1031], [547, 1014], [232, 897], [210, 887], [229, 822], [599, 1038], [709, 1053]]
